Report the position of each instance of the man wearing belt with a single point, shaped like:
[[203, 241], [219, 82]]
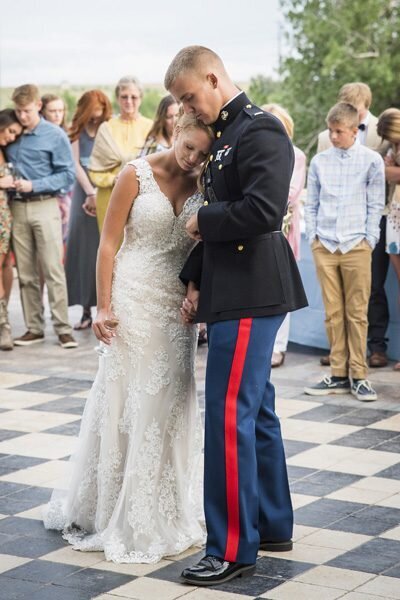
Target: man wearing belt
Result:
[[44, 165], [248, 281]]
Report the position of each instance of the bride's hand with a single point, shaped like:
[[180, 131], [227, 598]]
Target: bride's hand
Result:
[[190, 304], [101, 331]]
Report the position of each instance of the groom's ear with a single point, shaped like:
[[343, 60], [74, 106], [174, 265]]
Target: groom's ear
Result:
[[212, 80]]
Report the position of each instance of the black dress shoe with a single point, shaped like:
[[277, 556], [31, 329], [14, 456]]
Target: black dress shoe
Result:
[[285, 546], [212, 571]]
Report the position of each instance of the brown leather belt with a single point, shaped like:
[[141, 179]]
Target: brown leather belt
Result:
[[36, 198]]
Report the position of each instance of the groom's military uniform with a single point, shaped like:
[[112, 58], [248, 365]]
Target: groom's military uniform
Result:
[[248, 281]]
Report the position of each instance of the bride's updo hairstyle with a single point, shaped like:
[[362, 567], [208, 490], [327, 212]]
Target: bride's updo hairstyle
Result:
[[190, 121]]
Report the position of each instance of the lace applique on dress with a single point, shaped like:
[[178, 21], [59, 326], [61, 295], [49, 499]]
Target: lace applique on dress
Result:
[[159, 368], [168, 500], [144, 175], [129, 420], [141, 516], [176, 420]]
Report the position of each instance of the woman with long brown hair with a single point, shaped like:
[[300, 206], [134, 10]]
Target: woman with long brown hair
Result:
[[54, 110], [10, 129], [93, 108], [160, 135]]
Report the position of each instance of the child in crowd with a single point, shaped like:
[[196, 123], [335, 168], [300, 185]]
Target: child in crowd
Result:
[[345, 197]]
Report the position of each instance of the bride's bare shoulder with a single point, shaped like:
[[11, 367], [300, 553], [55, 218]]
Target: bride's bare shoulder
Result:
[[157, 161]]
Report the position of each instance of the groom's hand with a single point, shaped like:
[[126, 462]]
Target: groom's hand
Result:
[[188, 311], [192, 228]]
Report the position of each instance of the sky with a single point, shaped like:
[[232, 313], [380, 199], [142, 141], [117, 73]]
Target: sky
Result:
[[97, 41]]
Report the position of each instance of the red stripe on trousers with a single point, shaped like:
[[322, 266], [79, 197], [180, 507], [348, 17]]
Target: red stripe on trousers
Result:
[[231, 450]]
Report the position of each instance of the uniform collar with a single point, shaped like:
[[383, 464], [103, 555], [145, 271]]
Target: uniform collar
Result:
[[230, 111]]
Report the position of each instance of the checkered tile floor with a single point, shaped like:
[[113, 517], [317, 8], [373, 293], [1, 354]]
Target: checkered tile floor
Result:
[[344, 466]]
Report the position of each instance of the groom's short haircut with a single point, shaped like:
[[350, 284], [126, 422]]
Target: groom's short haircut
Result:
[[189, 59]]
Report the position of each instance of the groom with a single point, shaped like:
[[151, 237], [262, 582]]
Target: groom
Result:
[[248, 281]]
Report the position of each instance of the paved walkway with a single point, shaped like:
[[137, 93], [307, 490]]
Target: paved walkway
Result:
[[344, 467]]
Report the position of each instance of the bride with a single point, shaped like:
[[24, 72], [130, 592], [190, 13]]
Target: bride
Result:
[[136, 489]]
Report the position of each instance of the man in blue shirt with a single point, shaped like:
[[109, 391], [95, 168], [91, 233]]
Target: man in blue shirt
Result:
[[44, 167]]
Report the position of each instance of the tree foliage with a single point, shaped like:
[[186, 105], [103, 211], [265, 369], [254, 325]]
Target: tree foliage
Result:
[[151, 100], [333, 42], [70, 103], [263, 89]]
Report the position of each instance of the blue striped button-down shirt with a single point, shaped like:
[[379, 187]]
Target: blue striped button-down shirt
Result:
[[345, 197], [44, 157]]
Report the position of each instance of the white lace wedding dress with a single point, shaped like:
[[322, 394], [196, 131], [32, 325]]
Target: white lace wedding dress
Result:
[[136, 485]]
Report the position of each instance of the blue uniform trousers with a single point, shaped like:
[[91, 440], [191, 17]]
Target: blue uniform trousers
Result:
[[246, 490]]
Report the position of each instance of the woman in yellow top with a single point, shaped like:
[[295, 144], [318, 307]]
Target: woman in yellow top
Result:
[[118, 141]]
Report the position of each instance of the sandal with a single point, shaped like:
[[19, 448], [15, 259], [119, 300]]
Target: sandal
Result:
[[85, 322]]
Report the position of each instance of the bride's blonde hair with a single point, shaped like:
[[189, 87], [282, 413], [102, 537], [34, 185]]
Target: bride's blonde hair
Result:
[[190, 121]]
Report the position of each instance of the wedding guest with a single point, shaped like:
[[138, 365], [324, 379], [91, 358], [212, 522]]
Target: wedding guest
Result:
[[291, 222], [160, 135], [389, 129], [117, 141], [359, 95], [43, 157], [93, 109], [54, 111], [345, 198], [10, 129]]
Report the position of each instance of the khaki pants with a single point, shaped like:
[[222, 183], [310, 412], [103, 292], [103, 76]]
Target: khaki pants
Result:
[[346, 284], [36, 236]]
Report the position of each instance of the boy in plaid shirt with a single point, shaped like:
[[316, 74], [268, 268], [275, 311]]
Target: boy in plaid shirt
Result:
[[345, 197]]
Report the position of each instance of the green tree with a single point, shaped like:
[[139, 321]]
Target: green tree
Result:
[[151, 99], [333, 42], [263, 89], [70, 102]]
